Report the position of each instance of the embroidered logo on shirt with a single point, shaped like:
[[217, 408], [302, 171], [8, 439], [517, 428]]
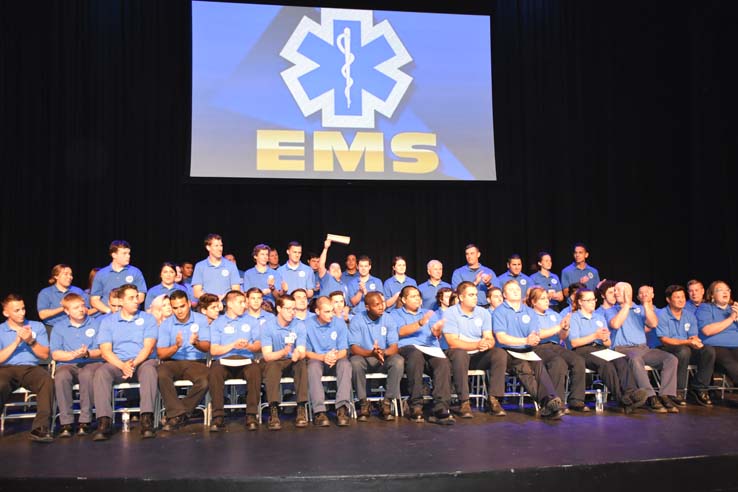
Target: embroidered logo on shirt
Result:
[[383, 331], [301, 274], [554, 281], [637, 310], [129, 278], [372, 286], [139, 322], [599, 324], [478, 322], [525, 319], [523, 281], [552, 317], [590, 274], [246, 328], [90, 332], [334, 335], [194, 328], [224, 272], [687, 326]]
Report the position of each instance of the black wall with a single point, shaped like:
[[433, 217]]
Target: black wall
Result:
[[614, 121]]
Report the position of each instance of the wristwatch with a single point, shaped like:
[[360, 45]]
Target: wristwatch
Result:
[[32, 342]]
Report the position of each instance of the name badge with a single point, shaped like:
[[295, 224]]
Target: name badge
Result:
[[290, 339], [229, 330]]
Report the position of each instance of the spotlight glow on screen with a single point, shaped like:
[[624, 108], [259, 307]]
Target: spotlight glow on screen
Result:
[[311, 93]]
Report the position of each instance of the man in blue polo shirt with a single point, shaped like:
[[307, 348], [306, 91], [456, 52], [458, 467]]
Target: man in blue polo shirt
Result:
[[627, 323], [373, 341], [514, 272], [127, 340], [468, 331], [262, 275], [283, 344], [215, 274], [182, 347], [327, 350], [119, 272], [696, 293], [49, 301], [331, 278], [233, 344], [429, 288], [77, 354], [351, 271], [580, 271], [679, 335], [515, 331], [361, 285], [294, 274], [474, 272], [23, 346]]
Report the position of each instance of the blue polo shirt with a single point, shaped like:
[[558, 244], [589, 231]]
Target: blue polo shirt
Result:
[[273, 335], [329, 284], [195, 323], [680, 329], [51, 297], [708, 313], [470, 326], [363, 331], [216, 279], [544, 321], [347, 277], [423, 337], [581, 326], [392, 286], [632, 332], [67, 337], [254, 278], [23, 355], [690, 307], [108, 279], [515, 323], [259, 321], [466, 274], [159, 289], [225, 330], [428, 292], [572, 274], [523, 281], [321, 339], [552, 282], [126, 336], [299, 277], [373, 284]]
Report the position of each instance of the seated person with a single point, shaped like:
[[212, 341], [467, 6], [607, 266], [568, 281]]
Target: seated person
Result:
[[717, 318]]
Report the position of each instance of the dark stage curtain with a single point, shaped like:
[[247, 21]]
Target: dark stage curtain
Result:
[[614, 120]]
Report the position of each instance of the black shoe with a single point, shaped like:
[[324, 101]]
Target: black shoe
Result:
[[417, 415], [252, 423], [654, 404], [41, 434], [443, 417], [342, 418], [274, 424], [578, 406], [495, 408], [668, 404], [553, 409], [702, 397], [680, 398], [65, 431], [301, 420], [387, 410], [634, 399], [364, 411], [174, 423], [104, 429], [321, 420], [147, 425], [83, 429], [217, 424]]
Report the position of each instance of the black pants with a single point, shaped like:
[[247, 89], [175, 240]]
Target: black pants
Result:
[[170, 371], [494, 359], [416, 362], [276, 369], [727, 358], [37, 380], [704, 358], [559, 361], [534, 378], [251, 373], [616, 374]]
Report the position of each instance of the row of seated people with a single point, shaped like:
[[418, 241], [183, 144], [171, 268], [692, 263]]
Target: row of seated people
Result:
[[528, 340]]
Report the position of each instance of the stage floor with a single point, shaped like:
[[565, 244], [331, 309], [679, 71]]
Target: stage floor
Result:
[[519, 451]]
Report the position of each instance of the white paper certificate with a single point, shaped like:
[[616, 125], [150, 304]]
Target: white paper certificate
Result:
[[608, 354], [432, 351], [531, 356]]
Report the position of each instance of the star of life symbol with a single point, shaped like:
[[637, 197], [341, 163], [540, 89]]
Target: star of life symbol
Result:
[[346, 43]]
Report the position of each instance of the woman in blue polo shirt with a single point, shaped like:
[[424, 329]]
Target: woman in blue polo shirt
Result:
[[398, 280], [550, 282], [168, 275], [717, 319]]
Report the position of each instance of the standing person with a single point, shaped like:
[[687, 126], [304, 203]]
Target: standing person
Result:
[[262, 276], [696, 292], [474, 272], [284, 345], [420, 347], [167, 274], [313, 262], [331, 278], [551, 282], [627, 323], [187, 270], [182, 348], [717, 318], [127, 340], [362, 285], [589, 334], [351, 270], [296, 275], [372, 340], [119, 272], [515, 272], [23, 346], [232, 258], [327, 350], [49, 300], [678, 333], [467, 329], [215, 274], [77, 354], [430, 287], [233, 345], [398, 280], [579, 270], [273, 259]]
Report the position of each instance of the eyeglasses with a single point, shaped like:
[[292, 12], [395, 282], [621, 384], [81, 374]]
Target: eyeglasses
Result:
[[587, 300], [718, 291]]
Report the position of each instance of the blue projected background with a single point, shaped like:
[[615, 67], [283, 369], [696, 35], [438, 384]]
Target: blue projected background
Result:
[[293, 92]]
